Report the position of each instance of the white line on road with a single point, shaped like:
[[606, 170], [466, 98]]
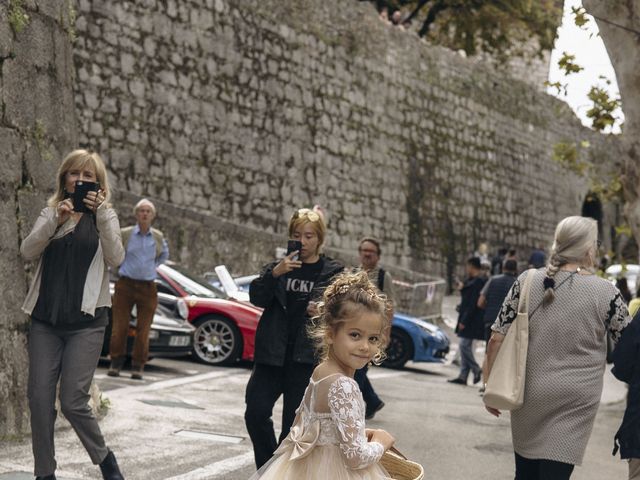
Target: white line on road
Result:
[[173, 382], [14, 468], [221, 467], [376, 375]]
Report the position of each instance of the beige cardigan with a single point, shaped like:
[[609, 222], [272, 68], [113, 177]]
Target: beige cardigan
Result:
[[110, 253]]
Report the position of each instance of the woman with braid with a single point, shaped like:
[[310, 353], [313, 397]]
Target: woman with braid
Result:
[[570, 312]]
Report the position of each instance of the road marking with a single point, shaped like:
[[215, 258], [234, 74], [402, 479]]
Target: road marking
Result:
[[14, 468], [375, 375], [173, 382], [221, 467]]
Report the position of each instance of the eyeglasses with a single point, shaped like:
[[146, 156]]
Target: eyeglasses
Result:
[[306, 213]]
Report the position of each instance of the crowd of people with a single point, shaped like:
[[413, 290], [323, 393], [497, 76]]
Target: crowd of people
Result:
[[321, 327]]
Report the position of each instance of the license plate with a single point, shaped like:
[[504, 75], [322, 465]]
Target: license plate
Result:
[[179, 341]]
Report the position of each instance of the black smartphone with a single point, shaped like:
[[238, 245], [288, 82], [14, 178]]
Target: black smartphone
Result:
[[80, 193], [292, 246]]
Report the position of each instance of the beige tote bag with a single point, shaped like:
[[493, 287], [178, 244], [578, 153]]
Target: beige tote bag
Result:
[[505, 385]]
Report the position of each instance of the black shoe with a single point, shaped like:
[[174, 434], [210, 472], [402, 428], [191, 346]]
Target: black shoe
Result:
[[136, 372], [372, 413], [457, 381], [115, 367], [109, 468], [48, 477], [477, 377]]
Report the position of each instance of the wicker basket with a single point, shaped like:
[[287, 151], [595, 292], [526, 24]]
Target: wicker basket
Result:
[[397, 465]]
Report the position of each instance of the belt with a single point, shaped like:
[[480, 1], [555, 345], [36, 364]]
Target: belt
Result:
[[135, 280]]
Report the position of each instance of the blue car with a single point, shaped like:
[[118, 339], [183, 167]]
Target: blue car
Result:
[[415, 339]]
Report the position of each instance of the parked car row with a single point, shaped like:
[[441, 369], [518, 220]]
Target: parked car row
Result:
[[170, 335], [200, 317]]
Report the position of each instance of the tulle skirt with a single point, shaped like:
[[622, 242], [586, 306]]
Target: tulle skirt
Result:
[[324, 462]]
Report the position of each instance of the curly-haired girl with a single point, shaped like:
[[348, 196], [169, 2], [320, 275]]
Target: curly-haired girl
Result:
[[328, 438]]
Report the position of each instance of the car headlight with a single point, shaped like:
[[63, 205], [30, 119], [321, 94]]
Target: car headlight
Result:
[[428, 328], [183, 310]]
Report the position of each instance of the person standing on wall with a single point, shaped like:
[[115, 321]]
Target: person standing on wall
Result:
[[369, 251], [75, 239], [146, 248], [284, 354], [470, 325]]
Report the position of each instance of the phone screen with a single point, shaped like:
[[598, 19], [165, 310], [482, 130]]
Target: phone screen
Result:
[[292, 246], [80, 193]]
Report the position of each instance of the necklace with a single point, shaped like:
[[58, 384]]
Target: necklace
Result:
[[578, 270]]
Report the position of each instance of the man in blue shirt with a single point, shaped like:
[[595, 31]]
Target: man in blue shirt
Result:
[[145, 248]]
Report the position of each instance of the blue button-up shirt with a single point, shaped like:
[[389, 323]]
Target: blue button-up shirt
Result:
[[140, 261]]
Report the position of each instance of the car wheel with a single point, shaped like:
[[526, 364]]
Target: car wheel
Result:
[[400, 349], [216, 341]]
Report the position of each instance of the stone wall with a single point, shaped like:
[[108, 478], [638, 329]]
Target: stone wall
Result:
[[248, 109], [37, 127]]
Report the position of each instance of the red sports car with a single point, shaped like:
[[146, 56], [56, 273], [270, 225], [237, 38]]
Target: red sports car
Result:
[[225, 328]]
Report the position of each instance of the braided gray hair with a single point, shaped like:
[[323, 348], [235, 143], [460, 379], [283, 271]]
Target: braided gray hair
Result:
[[574, 240]]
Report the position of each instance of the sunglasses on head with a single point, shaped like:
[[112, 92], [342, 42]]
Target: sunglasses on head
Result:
[[306, 213]]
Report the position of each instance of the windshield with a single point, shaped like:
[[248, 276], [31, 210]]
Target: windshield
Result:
[[192, 284]]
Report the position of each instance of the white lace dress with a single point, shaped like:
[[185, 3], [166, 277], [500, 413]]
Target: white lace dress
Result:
[[327, 439]]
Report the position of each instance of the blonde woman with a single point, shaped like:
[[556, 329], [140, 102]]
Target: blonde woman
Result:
[[570, 312], [68, 303]]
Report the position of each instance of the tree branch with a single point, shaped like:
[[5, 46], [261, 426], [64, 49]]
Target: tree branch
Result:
[[421, 4], [431, 17]]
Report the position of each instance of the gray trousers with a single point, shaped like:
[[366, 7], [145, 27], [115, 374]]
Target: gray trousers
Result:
[[468, 362], [71, 357]]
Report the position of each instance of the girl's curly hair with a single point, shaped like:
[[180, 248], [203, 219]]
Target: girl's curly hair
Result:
[[347, 293]]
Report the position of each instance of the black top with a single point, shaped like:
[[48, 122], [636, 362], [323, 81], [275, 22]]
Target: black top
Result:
[[65, 264], [272, 335], [496, 291], [471, 315], [299, 285]]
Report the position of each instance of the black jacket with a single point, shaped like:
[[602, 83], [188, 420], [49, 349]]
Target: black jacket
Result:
[[471, 316], [626, 367], [271, 336]]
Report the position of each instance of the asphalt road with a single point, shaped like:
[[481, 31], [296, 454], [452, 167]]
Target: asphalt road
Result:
[[185, 422]]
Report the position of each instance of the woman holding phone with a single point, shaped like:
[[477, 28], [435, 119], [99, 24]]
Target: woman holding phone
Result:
[[68, 303]]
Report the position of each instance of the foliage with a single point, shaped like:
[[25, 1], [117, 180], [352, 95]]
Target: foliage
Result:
[[579, 16], [570, 156], [72, 16], [40, 136], [18, 18], [568, 65], [603, 108], [495, 26]]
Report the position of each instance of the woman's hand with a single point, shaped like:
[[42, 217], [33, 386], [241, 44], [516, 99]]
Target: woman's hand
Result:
[[286, 265], [93, 200], [64, 210], [383, 437], [493, 411]]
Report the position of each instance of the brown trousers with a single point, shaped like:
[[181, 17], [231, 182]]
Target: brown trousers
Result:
[[144, 296]]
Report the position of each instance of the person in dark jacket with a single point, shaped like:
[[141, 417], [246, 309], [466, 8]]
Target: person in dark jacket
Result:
[[494, 292], [284, 354], [626, 367], [470, 325]]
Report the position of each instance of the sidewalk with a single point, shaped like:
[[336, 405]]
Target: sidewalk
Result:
[[187, 424]]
